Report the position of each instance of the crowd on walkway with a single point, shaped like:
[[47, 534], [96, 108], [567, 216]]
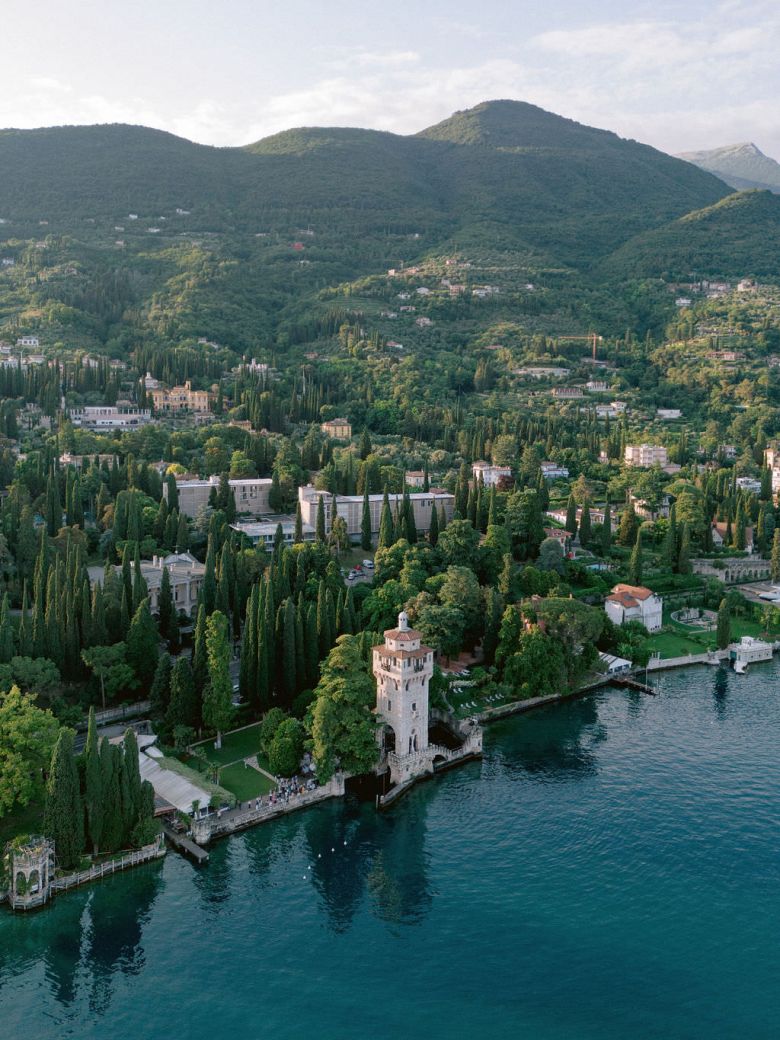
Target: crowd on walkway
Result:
[[286, 790]]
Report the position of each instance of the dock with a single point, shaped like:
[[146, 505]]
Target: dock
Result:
[[183, 844], [634, 684]]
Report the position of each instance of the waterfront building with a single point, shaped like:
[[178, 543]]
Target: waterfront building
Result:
[[634, 603], [646, 455], [251, 494], [350, 507], [749, 651]]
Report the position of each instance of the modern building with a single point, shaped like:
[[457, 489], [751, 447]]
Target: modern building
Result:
[[492, 476], [568, 393], [634, 603], [109, 417], [251, 494], [263, 531], [749, 651], [350, 507], [181, 399], [668, 414], [646, 455], [614, 665], [338, 429]]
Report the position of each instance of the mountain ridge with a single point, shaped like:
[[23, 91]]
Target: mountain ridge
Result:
[[743, 166]]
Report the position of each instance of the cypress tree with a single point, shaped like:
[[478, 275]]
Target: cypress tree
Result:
[[64, 812], [93, 786], [571, 515], [6, 632], [289, 652], [247, 675], [140, 590], [723, 631], [113, 819], [217, 696], [199, 662], [160, 693], [298, 536], [410, 528], [774, 564], [684, 555], [166, 609], [182, 708], [127, 576], [323, 630], [143, 644], [585, 526], [606, 529], [300, 652], [433, 530], [172, 490], [312, 646], [25, 627], [320, 523], [386, 538], [131, 785], [365, 524], [182, 534], [208, 592], [635, 562]]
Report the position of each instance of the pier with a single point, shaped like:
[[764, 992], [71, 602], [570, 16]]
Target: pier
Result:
[[183, 844]]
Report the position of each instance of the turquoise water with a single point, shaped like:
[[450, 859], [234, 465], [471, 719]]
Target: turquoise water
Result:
[[611, 869]]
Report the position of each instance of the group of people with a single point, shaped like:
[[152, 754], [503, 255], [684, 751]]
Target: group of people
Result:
[[285, 790]]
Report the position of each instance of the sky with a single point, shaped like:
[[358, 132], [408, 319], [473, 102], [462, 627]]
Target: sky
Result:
[[679, 76]]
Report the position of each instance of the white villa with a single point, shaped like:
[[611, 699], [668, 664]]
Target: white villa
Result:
[[634, 603]]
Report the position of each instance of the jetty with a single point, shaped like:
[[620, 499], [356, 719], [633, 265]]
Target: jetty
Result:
[[183, 844], [634, 684]]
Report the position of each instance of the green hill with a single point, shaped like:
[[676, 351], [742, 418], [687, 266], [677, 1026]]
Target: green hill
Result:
[[504, 170], [738, 236]]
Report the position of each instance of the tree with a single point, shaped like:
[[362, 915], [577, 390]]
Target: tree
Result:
[[571, 515], [723, 630], [341, 721], [63, 817], [183, 705], [635, 561], [774, 565], [628, 526], [386, 537], [109, 664], [27, 737], [218, 695], [93, 786], [166, 610], [365, 523], [551, 556], [684, 555], [143, 644], [537, 668], [585, 526], [606, 530], [459, 544], [286, 748], [160, 693]]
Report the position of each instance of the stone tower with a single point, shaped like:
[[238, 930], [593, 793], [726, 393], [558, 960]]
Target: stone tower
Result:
[[403, 670]]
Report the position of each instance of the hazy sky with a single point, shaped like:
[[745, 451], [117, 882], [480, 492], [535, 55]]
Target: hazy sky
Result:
[[678, 75]]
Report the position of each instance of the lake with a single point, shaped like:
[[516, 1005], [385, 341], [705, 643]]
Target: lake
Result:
[[611, 869]]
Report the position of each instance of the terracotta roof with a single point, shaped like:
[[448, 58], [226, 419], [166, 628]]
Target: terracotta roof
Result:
[[636, 591], [625, 599], [401, 635]]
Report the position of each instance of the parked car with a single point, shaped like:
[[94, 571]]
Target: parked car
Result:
[[368, 564]]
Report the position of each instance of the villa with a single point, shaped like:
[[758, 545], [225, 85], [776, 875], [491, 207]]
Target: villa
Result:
[[634, 603]]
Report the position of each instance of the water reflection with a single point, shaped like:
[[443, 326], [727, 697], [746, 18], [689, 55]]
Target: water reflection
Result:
[[720, 691], [84, 938], [558, 742]]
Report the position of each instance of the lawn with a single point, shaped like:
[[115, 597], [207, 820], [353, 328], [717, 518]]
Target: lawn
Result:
[[678, 644], [244, 781], [240, 744]]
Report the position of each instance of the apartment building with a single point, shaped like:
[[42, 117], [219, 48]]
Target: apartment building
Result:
[[646, 455], [250, 494], [350, 507]]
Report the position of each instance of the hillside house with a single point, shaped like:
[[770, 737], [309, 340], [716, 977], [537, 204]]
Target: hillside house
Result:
[[338, 429]]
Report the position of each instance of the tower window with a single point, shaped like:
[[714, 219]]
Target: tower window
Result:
[[414, 706]]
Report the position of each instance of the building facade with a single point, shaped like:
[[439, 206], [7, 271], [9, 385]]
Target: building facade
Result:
[[646, 455], [350, 507], [634, 603], [109, 417], [338, 429], [492, 476], [180, 399], [251, 494]]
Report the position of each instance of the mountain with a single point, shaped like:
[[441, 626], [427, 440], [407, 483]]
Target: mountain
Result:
[[504, 173], [737, 237], [743, 166]]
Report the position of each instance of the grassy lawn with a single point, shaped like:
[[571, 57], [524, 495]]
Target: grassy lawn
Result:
[[244, 782], [240, 744], [678, 644], [195, 777]]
